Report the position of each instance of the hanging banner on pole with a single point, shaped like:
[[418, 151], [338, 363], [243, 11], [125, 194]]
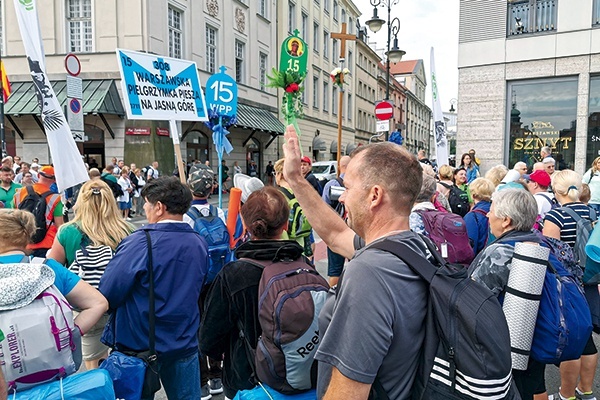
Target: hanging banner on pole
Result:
[[222, 99], [441, 140], [68, 165], [160, 88]]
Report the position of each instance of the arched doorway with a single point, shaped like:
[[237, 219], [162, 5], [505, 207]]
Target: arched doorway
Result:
[[93, 146], [196, 147], [253, 154]]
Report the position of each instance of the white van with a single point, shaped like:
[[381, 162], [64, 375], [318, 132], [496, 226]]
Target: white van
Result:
[[325, 170]]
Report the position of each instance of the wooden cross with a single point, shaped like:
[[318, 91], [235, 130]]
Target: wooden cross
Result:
[[343, 36]]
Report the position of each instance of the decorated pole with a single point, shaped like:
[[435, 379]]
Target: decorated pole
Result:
[[176, 145], [338, 79], [221, 97], [290, 76]]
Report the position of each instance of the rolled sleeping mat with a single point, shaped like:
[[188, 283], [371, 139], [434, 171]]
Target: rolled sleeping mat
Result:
[[522, 299]]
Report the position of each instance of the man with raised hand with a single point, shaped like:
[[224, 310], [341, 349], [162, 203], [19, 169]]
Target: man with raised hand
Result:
[[377, 290]]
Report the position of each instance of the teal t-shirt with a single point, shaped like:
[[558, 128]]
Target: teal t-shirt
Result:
[[64, 279], [71, 239], [6, 196]]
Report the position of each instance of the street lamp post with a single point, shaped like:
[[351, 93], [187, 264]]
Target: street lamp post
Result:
[[393, 54]]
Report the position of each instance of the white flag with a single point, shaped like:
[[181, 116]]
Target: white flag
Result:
[[68, 165], [441, 140]]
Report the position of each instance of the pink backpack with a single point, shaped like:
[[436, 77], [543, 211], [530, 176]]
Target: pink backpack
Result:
[[449, 233], [438, 205]]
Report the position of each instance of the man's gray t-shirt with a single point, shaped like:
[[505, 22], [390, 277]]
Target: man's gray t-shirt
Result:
[[374, 326]]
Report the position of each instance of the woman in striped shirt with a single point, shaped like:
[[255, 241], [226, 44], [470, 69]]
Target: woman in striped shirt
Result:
[[97, 223], [560, 225]]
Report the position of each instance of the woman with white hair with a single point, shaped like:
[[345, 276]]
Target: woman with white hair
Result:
[[512, 215], [521, 167], [559, 224]]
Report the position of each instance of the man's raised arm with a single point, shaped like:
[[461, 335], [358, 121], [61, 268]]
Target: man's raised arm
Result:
[[324, 220]]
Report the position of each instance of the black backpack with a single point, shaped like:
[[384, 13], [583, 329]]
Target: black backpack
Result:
[[116, 189], [458, 199], [335, 204], [36, 204], [466, 352]]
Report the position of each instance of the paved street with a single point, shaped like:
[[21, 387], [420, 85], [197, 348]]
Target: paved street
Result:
[[552, 373]]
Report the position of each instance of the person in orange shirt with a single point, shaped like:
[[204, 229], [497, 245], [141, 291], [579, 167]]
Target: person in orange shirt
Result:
[[54, 209]]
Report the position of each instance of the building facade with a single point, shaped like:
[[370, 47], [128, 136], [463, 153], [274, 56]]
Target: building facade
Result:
[[411, 74], [529, 76], [240, 35], [367, 71]]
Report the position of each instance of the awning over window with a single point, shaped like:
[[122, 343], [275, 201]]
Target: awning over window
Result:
[[99, 97], [319, 144], [350, 147], [255, 118], [333, 147]]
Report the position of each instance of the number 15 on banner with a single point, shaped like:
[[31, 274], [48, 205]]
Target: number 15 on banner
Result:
[[221, 94]]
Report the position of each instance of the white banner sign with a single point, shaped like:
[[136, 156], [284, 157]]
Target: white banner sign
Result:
[[441, 140], [160, 88], [68, 165], [383, 126]]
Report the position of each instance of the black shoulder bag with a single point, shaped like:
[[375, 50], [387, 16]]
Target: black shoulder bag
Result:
[[151, 379]]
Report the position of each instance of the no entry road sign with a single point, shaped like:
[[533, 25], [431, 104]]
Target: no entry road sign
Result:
[[384, 110]]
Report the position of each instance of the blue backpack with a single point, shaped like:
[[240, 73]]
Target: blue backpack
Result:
[[564, 323], [214, 231]]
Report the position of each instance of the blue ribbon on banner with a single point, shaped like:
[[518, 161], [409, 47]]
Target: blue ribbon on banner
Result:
[[220, 139]]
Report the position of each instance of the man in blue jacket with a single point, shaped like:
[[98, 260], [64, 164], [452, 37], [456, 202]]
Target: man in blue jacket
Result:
[[180, 264]]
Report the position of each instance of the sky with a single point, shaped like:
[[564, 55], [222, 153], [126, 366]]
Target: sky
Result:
[[424, 24]]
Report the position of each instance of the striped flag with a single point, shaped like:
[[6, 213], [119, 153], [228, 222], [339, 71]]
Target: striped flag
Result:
[[5, 83], [66, 158]]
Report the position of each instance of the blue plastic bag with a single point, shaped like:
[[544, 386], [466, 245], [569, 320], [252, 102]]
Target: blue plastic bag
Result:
[[90, 385], [259, 393], [127, 375]]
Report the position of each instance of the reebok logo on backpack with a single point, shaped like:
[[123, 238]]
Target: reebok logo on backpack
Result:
[[36, 204], [291, 295], [214, 231]]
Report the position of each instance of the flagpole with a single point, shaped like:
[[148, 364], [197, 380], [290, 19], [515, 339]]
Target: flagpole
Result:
[[2, 132]]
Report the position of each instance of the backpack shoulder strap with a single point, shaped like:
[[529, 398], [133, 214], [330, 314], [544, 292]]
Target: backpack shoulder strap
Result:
[[445, 185], [340, 180], [571, 213], [480, 211], [212, 211], [287, 193], [548, 199], [193, 213], [46, 194], [30, 191], [417, 263], [256, 263], [593, 215]]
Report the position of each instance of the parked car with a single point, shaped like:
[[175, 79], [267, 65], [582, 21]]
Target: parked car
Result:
[[324, 170]]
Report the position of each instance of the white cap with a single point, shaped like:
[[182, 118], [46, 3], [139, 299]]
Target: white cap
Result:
[[247, 185]]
